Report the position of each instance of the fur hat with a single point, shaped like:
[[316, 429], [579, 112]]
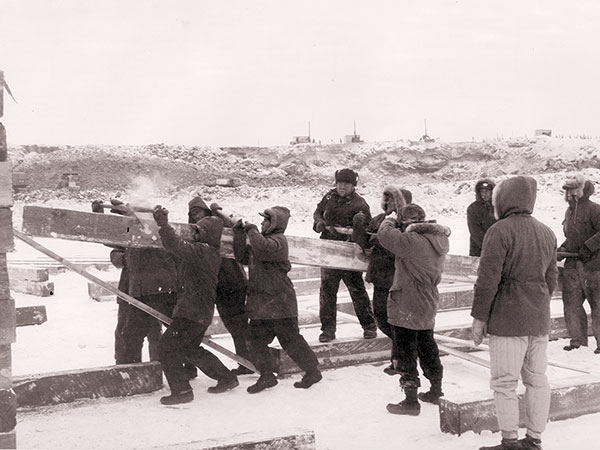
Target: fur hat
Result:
[[278, 216], [346, 176], [412, 212], [395, 197], [574, 187], [197, 203]]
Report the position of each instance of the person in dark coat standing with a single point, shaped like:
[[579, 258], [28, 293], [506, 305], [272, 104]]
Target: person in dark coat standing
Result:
[[581, 273], [380, 271], [232, 285], [420, 250], [198, 266], [511, 301], [272, 304], [337, 209], [480, 215]]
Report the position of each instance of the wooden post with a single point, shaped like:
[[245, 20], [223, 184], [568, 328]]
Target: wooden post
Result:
[[8, 401]]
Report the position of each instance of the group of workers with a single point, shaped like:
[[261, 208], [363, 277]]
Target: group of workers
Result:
[[516, 278]]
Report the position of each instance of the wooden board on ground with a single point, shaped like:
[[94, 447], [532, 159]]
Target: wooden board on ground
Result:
[[68, 386], [566, 402], [300, 439], [138, 232], [31, 315], [27, 273], [38, 288]]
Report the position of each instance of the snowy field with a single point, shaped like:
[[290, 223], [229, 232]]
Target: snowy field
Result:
[[346, 410]]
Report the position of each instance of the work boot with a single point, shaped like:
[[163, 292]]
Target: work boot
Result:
[[242, 370], [391, 370], [326, 336], [409, 406], [369, 334], [597, 351], [505, 444], [433, 395], [570, 347], [177, 398], [264, 382], [224, 385], [309, 379], [529, 443]]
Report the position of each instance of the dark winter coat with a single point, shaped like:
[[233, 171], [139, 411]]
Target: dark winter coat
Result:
[[151, 271], [419, 252], [517, 269], [198, 266], [337, 211], [581, 227], [271, 294], [380, 271], [480, 217]]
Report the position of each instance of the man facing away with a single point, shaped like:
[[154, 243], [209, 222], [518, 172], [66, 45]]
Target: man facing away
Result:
[[516, 277], [337, 209]]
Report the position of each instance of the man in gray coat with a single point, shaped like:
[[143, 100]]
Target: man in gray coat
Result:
[[516, 277]]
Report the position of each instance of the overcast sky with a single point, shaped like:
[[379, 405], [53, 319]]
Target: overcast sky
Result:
[[256, 72]]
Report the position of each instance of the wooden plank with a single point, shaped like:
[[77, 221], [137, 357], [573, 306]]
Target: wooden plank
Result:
[[6, 188], [7, 243], [37, 288], [5, 364], [133, 232], [300, 439], [27, 273], [68, 386], [7, 322], [566, 402], [31, 315]]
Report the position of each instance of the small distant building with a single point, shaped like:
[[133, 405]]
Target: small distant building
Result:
[[69, 180], [300, 140], [351, 138], [543, 132]]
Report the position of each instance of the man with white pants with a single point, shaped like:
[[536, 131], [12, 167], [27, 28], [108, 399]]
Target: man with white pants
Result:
[[517, 275]]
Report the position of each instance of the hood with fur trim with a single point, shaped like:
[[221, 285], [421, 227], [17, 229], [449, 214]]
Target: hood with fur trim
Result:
[[514, 195], [393, 195], [483, 182], [577, 188], [433, 232], [209, 231], [279, 217]]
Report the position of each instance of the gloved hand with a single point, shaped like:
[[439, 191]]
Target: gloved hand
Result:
[[360, 221], [478, 331], [249, 226], [214, 207], [119, 207], [161, 215], [558, 251], [320, 226], [584, 254], [239, 225], [97, 206]]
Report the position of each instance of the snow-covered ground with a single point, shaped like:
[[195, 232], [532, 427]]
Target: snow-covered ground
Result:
[[346, 410]]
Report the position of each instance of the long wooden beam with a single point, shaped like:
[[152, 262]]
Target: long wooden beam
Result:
[[139, 232]]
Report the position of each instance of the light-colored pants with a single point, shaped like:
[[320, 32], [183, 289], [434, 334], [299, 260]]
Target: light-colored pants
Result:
[[527, 356]]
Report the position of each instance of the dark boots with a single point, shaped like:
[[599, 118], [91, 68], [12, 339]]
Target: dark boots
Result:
[[409, 406], [265, 381], [434, 393], [527, 443], [177, 398], [224, 385], [309, 379]]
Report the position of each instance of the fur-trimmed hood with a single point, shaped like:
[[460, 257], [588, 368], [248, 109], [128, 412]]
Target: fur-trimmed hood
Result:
[[393, 195], [514, 195], [577, 188], [433, 232]]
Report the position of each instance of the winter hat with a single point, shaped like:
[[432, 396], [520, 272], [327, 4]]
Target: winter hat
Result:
[[484, 183], [514, 195], [197, 203], [412, 212], [278, 216], [346, 176], [209, 230], [574, 186], [394, 197]]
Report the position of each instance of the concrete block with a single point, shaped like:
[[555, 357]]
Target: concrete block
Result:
[[31, 315], [68, 386], [27, 273], [39, 288]]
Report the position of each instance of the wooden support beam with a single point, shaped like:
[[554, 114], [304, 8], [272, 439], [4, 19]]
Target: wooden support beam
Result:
[[68, 386], [31, 315]]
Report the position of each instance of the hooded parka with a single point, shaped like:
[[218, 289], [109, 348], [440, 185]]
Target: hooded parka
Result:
[[480, 217], [517, 270]]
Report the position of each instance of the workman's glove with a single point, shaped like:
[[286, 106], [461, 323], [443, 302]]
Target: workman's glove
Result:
[[478, 331], [559, 250], [214, 207], [239, 225], [119, 207], [584, 254], [320, 226], [249, 226], [97, 206], [161, 215], [360, 221]]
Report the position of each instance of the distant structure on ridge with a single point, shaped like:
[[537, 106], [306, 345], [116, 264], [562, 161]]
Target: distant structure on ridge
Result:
[[543, 132], [302, 139], [351, 138], [425, 137]]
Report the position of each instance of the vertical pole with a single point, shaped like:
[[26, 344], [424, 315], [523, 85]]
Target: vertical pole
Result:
[[8, 401]]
